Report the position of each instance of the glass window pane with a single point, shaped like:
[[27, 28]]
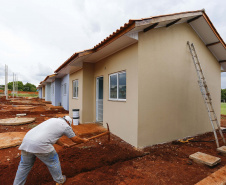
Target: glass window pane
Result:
[[76, 88], [100, 88], [73, 88], [113, 86], [122, 85]]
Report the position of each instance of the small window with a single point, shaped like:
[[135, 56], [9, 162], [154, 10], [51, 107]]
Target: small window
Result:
[[117, 86], [65, 89], [75, 88]]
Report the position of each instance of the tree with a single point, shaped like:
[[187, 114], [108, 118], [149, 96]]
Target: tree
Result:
[[21, 87], [10, 86], [223, 94], [29, 87]]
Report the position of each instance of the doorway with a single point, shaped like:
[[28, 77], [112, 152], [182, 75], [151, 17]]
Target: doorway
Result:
[[99, 99]]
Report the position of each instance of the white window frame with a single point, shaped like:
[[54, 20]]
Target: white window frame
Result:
[[65, 89], [76, 89], [115, 99]]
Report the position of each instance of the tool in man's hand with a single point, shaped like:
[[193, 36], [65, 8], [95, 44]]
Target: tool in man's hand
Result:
[[97, 136]]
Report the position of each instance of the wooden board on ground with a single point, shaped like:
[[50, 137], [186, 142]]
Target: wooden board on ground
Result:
[[216, 178], [16, 121], [23, 108], [11, 139], [203, 158], [222, 150]]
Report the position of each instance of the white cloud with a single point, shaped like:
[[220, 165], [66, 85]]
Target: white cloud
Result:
[[36, 37]]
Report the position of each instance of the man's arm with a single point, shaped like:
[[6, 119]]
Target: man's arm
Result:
[[78, 140], [60, 143]]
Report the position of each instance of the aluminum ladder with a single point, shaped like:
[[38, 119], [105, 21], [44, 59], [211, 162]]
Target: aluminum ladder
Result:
[[205, 93]]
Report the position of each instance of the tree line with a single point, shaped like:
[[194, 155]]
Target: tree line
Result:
[[223, 95], [22, 87]]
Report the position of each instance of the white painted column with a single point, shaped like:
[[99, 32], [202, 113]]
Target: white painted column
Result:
[[6, 81]]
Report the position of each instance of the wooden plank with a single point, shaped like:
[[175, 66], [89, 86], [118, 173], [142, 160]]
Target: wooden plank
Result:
[[222, 150], [193, 19], [216, 178], [214, 43], [150, 27], [172, 23], [203, 158]]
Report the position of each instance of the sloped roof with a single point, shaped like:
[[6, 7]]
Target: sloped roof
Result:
[[126, 35]]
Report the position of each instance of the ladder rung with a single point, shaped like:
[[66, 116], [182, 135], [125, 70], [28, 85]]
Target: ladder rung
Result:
[[214, 120], [211, 111]]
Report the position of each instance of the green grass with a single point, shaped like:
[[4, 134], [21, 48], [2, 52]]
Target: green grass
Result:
[[25, 95], [223, 108]]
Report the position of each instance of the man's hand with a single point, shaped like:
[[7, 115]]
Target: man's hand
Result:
[[78, 140], [85, 140], [66, 146]]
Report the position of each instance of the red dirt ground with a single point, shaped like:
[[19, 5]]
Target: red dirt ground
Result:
[[115, 162]]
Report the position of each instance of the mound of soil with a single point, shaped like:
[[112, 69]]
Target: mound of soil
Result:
[[83, 158]]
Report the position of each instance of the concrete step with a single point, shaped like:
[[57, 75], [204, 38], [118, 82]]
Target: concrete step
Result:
[[203, 158]]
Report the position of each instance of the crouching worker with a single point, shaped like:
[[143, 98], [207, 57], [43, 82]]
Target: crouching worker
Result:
[[38, 142]]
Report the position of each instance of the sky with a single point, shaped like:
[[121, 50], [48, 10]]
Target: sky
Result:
[[37, 36]]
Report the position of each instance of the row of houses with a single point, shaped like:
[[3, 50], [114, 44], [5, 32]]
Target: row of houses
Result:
[[141, 79]]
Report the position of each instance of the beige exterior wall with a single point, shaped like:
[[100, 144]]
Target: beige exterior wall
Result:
[[76, 103], [88, 93], [170, 104], [121, 116]]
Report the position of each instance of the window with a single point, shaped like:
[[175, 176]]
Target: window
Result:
[[75, 88], [65, 89], [117, 86]]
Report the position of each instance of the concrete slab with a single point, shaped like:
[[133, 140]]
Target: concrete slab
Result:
[[222, 150], [203, 158], [11, 139], [216, 178], [16, 121]]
